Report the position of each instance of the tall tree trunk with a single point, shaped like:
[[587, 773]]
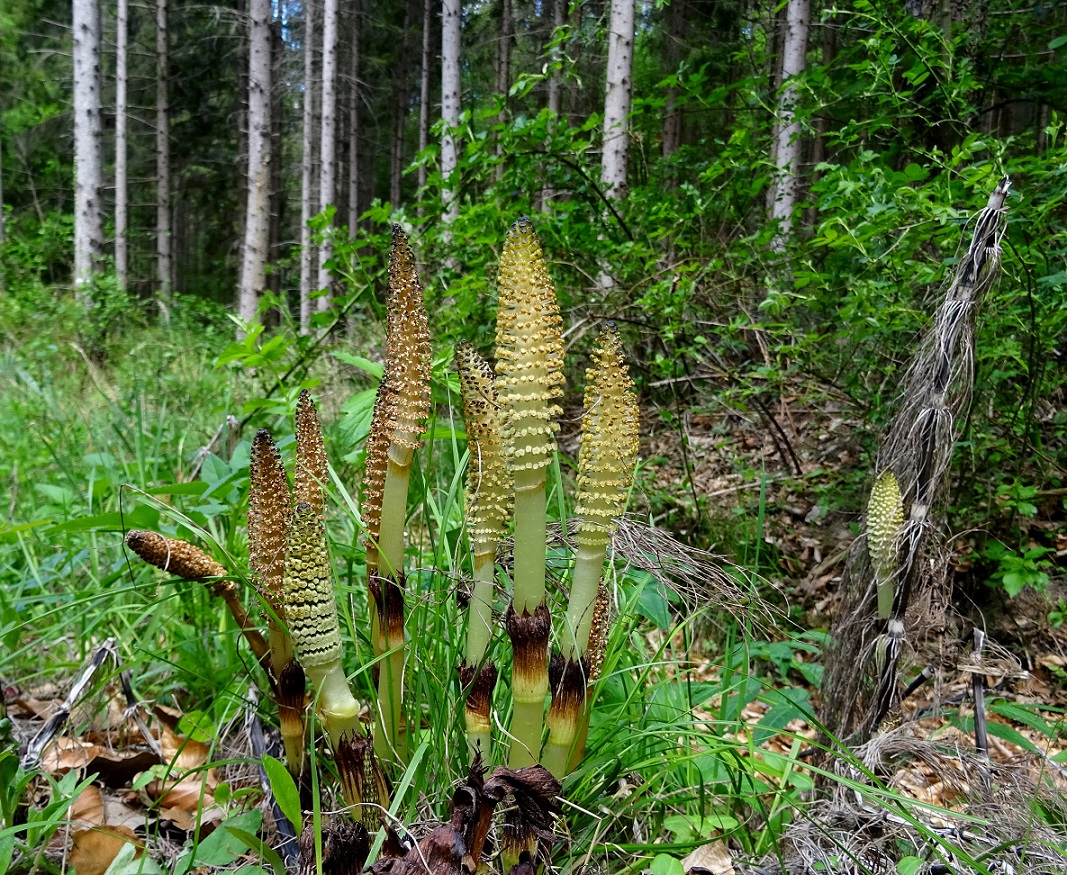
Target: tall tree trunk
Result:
[[328, 137], [400, 110], [164, 241], [122, 189], [424, 93], [786, 134], [451, 15], [672, 118], [277, 145], [307, 197], [257, 211], [555, 86], [617, 98], [617, 94], [353, 124], [88, 144], [503, 79]]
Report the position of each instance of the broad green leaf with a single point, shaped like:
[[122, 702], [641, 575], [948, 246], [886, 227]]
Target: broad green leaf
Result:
[[284, 789]]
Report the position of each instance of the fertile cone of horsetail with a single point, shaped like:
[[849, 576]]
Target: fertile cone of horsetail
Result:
[[885, 518], [529, 351], [606, 465], [489, 492], [312, 467], [311, 612], [397, 432], [189, 562]]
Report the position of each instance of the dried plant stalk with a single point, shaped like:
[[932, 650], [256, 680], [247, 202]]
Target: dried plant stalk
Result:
[[529, 353]]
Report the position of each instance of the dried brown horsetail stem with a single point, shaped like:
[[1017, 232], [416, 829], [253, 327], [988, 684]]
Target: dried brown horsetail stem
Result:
[[312, 468], [388, 596], [489, 487], [292, 701], [189, 562], [269, 511], [363, 783], [479, 682], [345, 848]]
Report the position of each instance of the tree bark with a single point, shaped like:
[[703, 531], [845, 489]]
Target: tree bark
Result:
[[122, 188], [88, 145], [672, 119], [424, 93], [786, 134], [451, 15], [503, 80], [353, 124], [555, 87], [307, 197], [257, 212], [400, 110], [617, 97], [164, 239], [328, 138]]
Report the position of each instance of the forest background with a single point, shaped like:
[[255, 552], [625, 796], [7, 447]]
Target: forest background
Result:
[[765, 197]]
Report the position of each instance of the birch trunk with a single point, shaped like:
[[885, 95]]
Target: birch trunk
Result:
[[257, 212], [786, 134], [122, 188], [353, 126], [424, 93], [617, 94], [88, 145], [328, 138], [164, 240], [503, 80], [451, 15], [307, 251], [555, 87]]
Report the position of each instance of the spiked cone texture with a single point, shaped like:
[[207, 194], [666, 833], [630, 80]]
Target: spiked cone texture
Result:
[[885, 518], [312, 467], [488, 508], [529, 351], [606, 465], [312, 616]]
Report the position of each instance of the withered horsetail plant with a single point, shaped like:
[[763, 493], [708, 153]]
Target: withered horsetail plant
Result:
[[189, 562], [606, 463], [529, 351], [401, 411], [269, 512], [489, 493], [936, 390]]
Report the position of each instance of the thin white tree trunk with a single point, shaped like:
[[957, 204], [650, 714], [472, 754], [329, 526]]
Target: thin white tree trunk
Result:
[[451, 16], [122, 188], [164, 237], [424, 93], [307, 197], [617, 96], [503, 79], [786, 139], [257, 209], [88, 144], [353, 126], [328, 141], [400, 110]]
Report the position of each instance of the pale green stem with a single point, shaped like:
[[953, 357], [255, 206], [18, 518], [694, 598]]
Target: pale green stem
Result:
[[588, 569], [388, 743], [336, 706], [480, 612], [530, 540], [884, 586], [527, 722]]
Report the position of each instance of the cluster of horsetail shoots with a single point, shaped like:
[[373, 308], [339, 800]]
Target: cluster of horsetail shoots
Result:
[[399, 421], [489, 495], [529, 352], [606, 464]]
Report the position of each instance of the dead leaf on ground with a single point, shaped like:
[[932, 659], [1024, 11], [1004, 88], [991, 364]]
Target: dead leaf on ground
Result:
[[114, 767], [93, 850], [713, 857]]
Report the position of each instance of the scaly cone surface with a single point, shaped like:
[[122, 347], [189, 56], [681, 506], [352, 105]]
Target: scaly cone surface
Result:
[[885, 518], [529, 350], [312, 467]]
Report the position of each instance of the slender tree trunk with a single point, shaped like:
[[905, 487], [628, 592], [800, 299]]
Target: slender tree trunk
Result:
[[307, 197], [451, 15], [424, 93], [277, 145], [555, 87], [122, 189], [503, 80], [164, 240], [257, 211], [400, 110], [786, 130], [328, 137], [617, 95], [353, 125], [672, 119], [88, 145]]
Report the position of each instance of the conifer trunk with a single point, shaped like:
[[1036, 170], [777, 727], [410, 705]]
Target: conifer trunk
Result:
[[424, 92], [164, 237], [353, 124], [307, 253], [328, 137], [122, 198]]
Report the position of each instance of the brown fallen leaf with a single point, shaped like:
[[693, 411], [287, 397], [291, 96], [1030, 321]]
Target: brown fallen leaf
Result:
[[93, 850], [114, 767], [88, 809], [713, 858]]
